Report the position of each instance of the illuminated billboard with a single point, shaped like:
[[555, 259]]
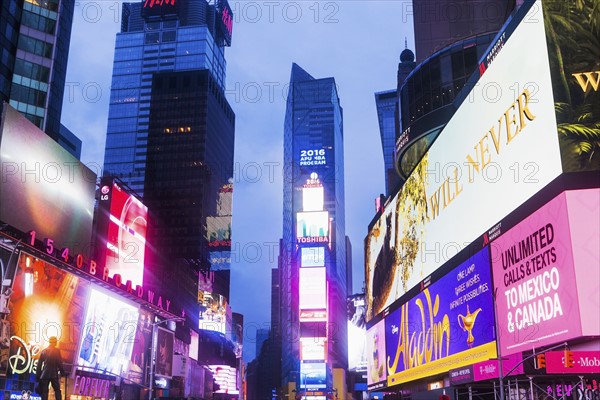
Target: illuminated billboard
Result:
[[45, 301], [140, 353], [110, 324], [159, 7], [312, 224], [219, 260], [312, 289], [459, 310], [125, 223], [357, 333], [213, 312], [508, 144], [226, 378], [312, 157], [313, 198], [312, 256], [313, 376], [534, 273], [312, 348], [218, 231], [164, 353], [43, 187], [225, 21], [376, 360]]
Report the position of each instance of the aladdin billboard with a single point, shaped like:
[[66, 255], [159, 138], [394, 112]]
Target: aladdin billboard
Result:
[[448, 325]]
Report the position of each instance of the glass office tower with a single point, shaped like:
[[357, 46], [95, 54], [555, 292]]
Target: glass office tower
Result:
[[313, 255], [34, 49], [183, 36], [387, 106], [170, 134]]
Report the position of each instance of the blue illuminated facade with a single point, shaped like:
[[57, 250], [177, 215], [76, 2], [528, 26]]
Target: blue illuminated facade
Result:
[[178, 40], [313, 144]]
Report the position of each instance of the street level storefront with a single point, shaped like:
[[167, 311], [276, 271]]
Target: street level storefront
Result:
[[104, 331]]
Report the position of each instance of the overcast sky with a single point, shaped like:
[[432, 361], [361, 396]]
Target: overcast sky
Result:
[[356, 42]]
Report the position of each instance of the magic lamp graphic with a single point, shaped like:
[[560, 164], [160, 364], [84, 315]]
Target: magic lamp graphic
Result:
[[467, 322]]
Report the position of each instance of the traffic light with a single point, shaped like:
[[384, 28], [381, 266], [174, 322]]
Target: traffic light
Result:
[[540, 361], [569, 360]]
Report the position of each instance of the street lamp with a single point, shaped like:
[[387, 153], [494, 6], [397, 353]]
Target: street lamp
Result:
[[153, 350]]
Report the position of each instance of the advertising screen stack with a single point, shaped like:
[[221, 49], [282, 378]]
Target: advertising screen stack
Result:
[[58, 282], [313, 237], [487, 252]]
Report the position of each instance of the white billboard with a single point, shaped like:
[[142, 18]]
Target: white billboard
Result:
[[499, 149]]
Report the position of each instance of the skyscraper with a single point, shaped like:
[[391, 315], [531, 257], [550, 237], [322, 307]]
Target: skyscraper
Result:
[[34, 48], [387, 106], [313, 257], [159, 37], [170, 135]]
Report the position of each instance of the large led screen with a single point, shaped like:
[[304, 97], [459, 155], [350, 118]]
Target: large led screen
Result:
[[164, 353], [213, 312], [313, 198], [357, 333], [499, 149], [535, 278], [226, 378], [448, 325], [584, 206], [575, 80], [313, 376], [312, 256], [125, 232], [312, 224], [312, 349], [43, 187], [108, 333], [45, 301], [218, 231], [376, 365], [140, 353], [312, 289]]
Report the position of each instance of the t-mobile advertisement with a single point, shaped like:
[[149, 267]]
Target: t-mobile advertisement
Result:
[[535, 281]]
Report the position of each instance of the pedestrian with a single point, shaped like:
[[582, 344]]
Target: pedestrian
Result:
[[49, 370]]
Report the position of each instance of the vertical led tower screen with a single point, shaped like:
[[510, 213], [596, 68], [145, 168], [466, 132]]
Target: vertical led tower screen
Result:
[[313, 289], [126, 221]]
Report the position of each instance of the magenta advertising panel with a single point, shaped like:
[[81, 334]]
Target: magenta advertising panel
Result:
[[489, 369], [535, 281], [377, 372], [584, 362], [312, 289], [125, 232], [584, 206]]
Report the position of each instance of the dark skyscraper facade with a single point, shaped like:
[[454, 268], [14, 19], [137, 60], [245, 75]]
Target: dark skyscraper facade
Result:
[[34, 47], [190, 35], [313, 257], [170, 138], [387, 106]]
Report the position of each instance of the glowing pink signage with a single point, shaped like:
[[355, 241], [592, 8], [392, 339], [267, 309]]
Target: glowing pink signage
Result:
[[489, 369], [313, 293], [585, 362], [535, 281]]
